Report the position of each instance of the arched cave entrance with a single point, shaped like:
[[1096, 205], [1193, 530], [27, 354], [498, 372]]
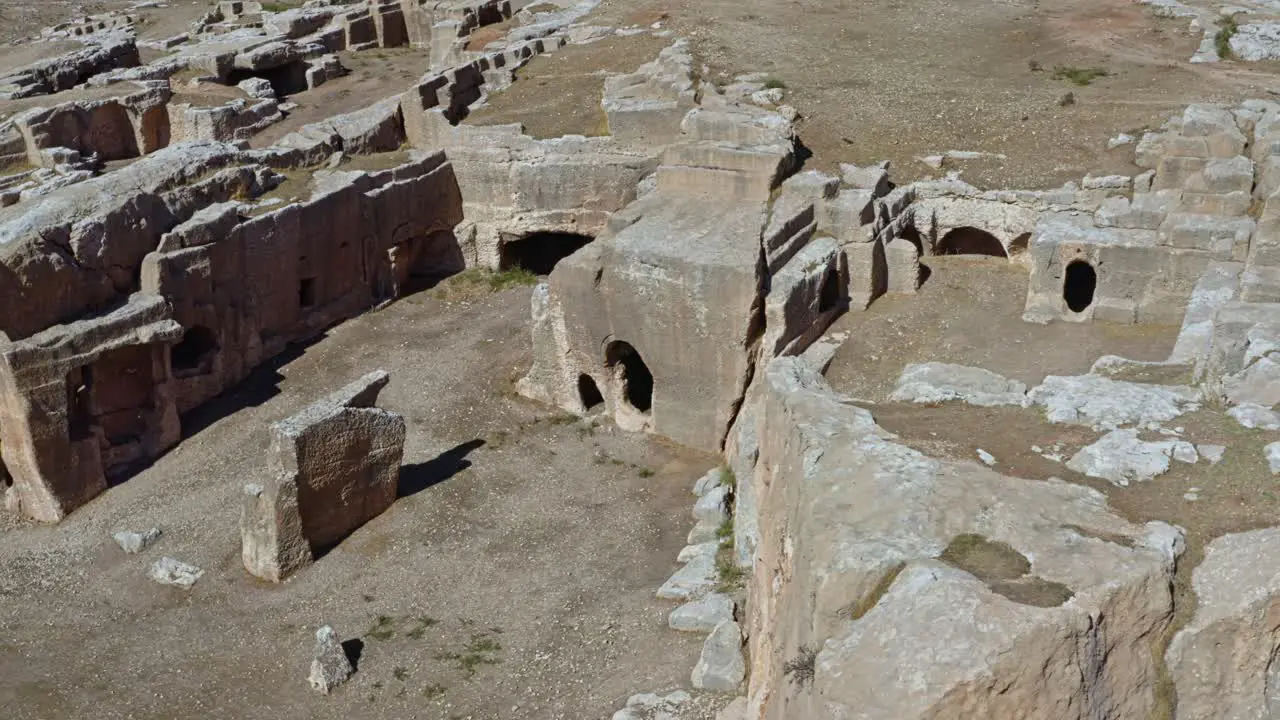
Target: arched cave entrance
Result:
[[637, 381], [539, 252], [194, 354], [589, 392], [1020, 244], [970, 241], [1078, 285]]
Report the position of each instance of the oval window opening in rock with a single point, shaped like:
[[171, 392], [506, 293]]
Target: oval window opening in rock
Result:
[[589, 392], [539, 252], [970, 241], [1078, 285], [637, 381]]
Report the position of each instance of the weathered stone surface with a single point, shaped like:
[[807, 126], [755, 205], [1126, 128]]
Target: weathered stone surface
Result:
[[168, 571], [651, 706], [702, 615], [335, 466], [693, 580], [689, 552], [707, 482], [721, 667], [1255, 416], [1272, 451], [1222, 660], [1121, 457], [330, 667], [868, 551], [135, 542], [936, 382], [712, 507], [1105, 404]]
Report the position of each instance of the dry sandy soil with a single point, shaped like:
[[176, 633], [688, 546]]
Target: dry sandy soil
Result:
[[514, 579], [902, 79]]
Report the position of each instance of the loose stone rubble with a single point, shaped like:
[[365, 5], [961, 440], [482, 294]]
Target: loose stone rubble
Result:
[[168, 571], [331, 667], [335, 466]]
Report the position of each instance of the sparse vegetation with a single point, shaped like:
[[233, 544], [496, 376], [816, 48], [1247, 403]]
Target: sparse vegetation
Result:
[[420, 629], [280, 5], [476, 282], [1034, 66], [727, 478], [1079, 76], [383, 628], [726, 529], [1227, 28], [773, 83], [646, 472], [1067, 100], [800, 668], [480, 651], [731, 576], [433, 691], [400, 673]]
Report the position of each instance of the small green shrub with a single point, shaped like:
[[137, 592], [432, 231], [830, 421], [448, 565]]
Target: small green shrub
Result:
[[1222, 41], [727, 478], [774, 83], [1079, 76]]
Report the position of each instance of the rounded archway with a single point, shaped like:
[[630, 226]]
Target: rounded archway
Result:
[[1078, 285], [539, 252], [970, 241], [633, 373]]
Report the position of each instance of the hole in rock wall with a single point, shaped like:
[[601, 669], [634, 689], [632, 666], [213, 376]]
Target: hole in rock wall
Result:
[[829, 295], [306, 292], [194, 354], [970, 241], [1078, 285], [538, 253], [589, 392], [79, 403], [637, 380], [1020, 244]]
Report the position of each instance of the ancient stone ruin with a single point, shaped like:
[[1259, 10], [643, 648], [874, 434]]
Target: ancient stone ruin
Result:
[[335, 465], [994, 528]]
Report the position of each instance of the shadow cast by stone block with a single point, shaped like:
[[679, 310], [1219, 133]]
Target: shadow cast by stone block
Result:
[[417, 477], [353, 649], [262, 384]]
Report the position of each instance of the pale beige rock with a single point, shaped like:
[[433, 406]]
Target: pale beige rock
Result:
[[334, 467]]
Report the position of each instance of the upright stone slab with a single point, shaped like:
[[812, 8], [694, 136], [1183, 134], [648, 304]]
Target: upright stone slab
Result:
[[334, 466]]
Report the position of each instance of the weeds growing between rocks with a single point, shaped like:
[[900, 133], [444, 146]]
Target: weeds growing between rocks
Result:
[[1079, 76]]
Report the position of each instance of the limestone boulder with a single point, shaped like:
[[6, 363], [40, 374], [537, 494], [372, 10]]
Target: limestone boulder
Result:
[[1121, 457], [1105, 404], [936, 382], [721, 666], [1222, 662]]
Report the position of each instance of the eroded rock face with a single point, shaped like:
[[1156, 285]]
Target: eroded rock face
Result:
[[335, 466], [870, 551], [1105, 404], [1223, 661]]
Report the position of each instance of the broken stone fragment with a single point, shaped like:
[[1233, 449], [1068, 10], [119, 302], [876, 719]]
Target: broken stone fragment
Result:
[[711, 507], [702, 615], [721, 667], [935, 382], [1105, 404], [168, 571], [695, 578], [707, 482], [135, 542], [689, 552], [1273, 457], [330, 668], [1121, 457], [1255, 417], [651, 706]]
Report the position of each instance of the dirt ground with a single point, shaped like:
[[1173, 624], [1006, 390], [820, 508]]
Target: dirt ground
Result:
[[969, 312], [374, 75], [559, 94], [513, 579], [903, 79]]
